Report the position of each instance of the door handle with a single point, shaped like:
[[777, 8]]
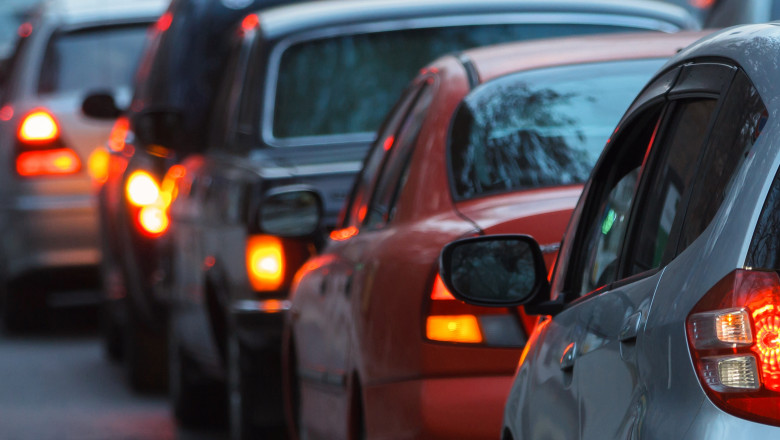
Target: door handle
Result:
[[567, 359], [630, 328]]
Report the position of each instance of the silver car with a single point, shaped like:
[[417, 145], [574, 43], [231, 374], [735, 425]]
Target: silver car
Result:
[[49, 241], [662, 317]]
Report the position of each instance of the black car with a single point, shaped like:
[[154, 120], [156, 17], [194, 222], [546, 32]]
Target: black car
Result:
[[306, 87], [174, 92]]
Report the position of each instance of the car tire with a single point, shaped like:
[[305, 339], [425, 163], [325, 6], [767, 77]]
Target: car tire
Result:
[[195, 402], [15, 313], [145, 357], [243, 390]]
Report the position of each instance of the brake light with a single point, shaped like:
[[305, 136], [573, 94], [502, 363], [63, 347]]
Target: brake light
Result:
[[734, 336], [153, 220], [118, 135], [142, 189], [38, 126], [344, 234], [265, 262], [57, 161], [450, 320]]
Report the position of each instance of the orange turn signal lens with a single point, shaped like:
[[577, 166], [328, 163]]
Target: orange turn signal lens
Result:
[[97, 164], [453, 328], [265, 262], [39, 126], [142, 189], [58, 161]]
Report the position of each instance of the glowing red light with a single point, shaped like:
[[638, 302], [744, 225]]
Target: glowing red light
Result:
[[767, 345], [164, 22], [250, 22], [440, 291], [25, 30], [343, 234], [39, 126], [6, 113], [388, 142]]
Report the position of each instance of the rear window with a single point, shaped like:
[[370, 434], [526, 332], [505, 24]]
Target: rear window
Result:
[[540, 128], [347, 84], [97, 58]]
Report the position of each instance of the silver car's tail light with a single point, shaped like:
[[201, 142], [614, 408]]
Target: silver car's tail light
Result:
[[40, 151], [734, 337]]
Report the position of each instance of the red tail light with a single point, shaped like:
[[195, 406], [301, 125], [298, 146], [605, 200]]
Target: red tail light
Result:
[[271, 262], [118, 135], [734, 336], [39, 126], [47, 162], [450, 320], [39, 149]]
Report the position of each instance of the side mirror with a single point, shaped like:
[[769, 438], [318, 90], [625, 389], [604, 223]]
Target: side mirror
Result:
[[495, 270], [159, 127], [290, 212], [100, 105]]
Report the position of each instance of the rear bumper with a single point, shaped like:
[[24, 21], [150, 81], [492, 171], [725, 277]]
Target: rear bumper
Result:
[[51, 234], [443, 408]]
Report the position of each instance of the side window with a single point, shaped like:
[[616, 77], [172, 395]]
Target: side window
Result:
[[357, 207], [226, 101], [736, 129], [606, 213], [764, 252], [671, 173], [395, 171]]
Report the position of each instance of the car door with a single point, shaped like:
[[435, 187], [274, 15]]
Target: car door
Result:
[[629, 238], [322, 317]]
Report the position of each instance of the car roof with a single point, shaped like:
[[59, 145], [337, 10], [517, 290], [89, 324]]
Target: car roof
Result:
[[75, 12], [753, 47], [284, 20], [494, 61]]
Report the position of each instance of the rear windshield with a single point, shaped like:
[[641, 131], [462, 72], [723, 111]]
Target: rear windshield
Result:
[[97, 58], [541, 128], [347, 84]]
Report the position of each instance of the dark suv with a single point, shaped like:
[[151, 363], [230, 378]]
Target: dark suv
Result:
[[174, 91], [306, 87]]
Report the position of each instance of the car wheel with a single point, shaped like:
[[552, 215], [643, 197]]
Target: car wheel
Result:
[[145, 357], [194, 401], [243, 389], [15, 313], [110, 328]]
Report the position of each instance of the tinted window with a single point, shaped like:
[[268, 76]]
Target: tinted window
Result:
[[736, 129], [540, 128], [396, 168], [675, 166], [764, 250], [100, 58], [346, 84], [357, 208], [606, 213]]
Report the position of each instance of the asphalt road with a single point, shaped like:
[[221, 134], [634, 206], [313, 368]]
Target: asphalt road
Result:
[[55, 383]]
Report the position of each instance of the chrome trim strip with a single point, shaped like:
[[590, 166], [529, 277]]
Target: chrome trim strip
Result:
[[260, 306], [53, 203], [550, 248]]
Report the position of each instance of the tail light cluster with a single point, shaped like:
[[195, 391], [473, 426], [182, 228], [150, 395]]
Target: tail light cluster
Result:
[[146, 204], [734, 335], [271, 261], [450, 320], [40, 150]]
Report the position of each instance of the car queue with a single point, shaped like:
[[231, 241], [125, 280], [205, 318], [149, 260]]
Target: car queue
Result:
[[271, 248]]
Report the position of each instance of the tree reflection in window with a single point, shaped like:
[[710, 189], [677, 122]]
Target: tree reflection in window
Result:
[[539, 128]]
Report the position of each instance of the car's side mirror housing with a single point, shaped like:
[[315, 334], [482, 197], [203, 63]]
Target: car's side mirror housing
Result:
[[290, 212], [100, 105], [495, 270]]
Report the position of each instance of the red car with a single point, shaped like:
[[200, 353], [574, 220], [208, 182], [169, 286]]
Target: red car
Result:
[[487, 141]]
